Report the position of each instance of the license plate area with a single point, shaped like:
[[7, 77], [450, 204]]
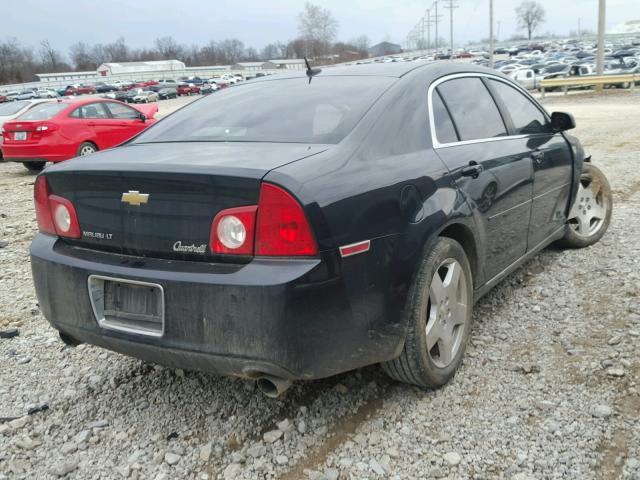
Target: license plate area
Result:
[[20, 136], [127, 305]]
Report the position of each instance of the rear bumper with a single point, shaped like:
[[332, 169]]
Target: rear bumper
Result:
[[290, 318], [34, 153]]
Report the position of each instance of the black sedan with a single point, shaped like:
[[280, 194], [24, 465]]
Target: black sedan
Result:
[[294, 228], [165, 93]]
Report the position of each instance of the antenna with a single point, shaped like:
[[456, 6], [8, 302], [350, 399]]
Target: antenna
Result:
[[311, 72]]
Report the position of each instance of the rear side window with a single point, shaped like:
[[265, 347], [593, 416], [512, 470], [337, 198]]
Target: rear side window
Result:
[[445, 131], [526, 117], [472, 108], [92, 110], [45, 111]]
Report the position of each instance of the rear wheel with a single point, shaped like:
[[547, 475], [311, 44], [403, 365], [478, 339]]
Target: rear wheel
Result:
[[438, 316], [86, 148], [34, 166], [591, 213]]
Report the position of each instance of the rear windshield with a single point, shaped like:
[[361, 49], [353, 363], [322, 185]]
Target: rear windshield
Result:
[[288, 110], [12, 108], [43, 112]]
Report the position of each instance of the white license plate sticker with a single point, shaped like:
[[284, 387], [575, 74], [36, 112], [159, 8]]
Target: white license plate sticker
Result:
[[20, 136]]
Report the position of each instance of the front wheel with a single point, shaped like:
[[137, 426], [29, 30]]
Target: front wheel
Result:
[[34, 166], [591, 213], [438, 316], [86, 148]]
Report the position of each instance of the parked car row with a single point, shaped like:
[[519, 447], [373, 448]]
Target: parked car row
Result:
[[165, 88], [530, 67]]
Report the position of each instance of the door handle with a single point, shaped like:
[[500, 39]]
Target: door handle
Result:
[[473, 170], [91, 124], [538, 156]]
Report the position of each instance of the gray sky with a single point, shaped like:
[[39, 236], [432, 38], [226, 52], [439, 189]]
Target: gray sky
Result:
[[258, 22]]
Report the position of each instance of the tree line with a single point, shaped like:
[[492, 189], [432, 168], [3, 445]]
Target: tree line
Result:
[[317, 29]]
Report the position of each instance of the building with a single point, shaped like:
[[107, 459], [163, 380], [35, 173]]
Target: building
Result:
[[290, 63], [160, 68], [384, 48], [254, 66], [70, 77]]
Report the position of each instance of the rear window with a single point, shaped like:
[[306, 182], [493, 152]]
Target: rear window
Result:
[[288, 110], [43, 112]]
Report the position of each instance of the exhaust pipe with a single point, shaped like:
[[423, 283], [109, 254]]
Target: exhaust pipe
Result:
[[68, 340], [271, 386]]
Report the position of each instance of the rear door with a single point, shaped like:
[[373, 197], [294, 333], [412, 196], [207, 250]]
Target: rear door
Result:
[[88, 122], [125, 123], [552, 160], [492, 168]]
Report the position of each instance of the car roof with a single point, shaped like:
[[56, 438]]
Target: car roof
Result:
[[426, 70]]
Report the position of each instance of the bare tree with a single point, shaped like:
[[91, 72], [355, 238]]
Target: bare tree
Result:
[[81, 57], [530, 15], [51, 59], [318, 28], [231, 51], [113, 52], [168, 48], [362, 43]]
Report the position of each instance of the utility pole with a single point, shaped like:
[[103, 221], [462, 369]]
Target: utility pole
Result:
[[491, 34], [436, 22], [451, 6], [601, 26], [428, 29], [579, 34]]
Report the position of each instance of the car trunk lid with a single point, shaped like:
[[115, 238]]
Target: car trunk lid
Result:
[[160, 200]]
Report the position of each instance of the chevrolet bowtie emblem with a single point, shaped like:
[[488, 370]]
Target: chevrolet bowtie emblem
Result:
[[134, 197]]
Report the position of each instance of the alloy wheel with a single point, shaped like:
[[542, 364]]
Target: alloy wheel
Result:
[[446, 313], [87, 150], [590, 208]]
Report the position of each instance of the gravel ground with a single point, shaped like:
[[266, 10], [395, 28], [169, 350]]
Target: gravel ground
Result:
[[549, 387]]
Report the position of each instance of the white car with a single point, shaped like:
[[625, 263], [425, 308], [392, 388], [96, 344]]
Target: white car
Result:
[[47, 93], [224, 79], [11, 110]]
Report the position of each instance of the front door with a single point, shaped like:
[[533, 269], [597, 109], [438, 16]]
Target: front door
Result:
[[552, 161], [125, 123], [493, 169]]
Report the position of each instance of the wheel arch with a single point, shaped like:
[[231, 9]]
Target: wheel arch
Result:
[[462, 234]]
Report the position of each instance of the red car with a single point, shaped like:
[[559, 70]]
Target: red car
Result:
[[3, 99], [57, 131], [134, 85], [80, 90], [188, 89]]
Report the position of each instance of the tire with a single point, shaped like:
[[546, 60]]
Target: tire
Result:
[[34, 166], [426, 321], [86, 148], [591, 213]]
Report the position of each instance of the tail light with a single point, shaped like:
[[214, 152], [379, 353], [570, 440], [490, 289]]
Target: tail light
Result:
[[56, 215], [43, 129], [282, 228], [277, 226], [233, 230]]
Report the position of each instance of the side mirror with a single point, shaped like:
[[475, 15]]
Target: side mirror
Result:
[[561, 121], [143, 117]]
